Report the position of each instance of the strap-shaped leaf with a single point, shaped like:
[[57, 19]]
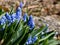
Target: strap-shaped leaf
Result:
[[24, 39], [37, 32], [16, 35], [9, 30], [1, 34], [26, 29], [46, 37], [54, 42], [47, 33], [1, 12]]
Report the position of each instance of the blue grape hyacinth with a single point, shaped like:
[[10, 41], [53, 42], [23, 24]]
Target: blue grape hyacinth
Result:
[[21, 4], [18, 9], [25, 17], [31, 40], [18, 13], [8, 17], [31, 23], [2, 21], [13, 17], [3, 17]]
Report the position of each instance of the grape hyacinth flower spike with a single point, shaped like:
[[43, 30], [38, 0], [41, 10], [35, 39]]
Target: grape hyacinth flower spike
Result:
[[8, 17], [13, 17], [31, 23], [18, 13], [25, 17], [21, 4], [2, 21], [3, 17], [31, 40], [18, 9], [34, 39]]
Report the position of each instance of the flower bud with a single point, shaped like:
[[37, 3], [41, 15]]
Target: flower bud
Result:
[[21, 4]]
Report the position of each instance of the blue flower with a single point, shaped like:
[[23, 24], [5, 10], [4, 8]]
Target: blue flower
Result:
[[13, 17], [25, 17], [18, 9], [3, 17], [2, 21], [21, 4], [8, 17], [31, 23], [31, 40], [18, 13], [34, 39]]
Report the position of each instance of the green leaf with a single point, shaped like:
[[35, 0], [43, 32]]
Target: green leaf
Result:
[[16, 35], [46, 37], [38, 31], [11, 11], [26, 29], [1, 34], [1, 12], [54, 42], [47, 33], [8, 32], [24, 39], [2, 15]]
